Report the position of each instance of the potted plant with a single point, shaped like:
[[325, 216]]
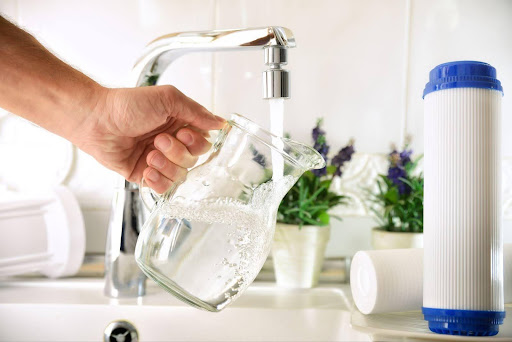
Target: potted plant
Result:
[[399, 203], [302, 229]]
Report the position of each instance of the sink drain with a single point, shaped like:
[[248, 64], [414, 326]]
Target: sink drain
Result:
[[120, 331]]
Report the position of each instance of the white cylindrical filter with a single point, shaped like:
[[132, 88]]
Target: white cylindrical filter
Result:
[[387, 280], [463, 270], [392, 280]]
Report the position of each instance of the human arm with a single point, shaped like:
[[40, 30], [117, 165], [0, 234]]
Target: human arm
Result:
[[124, 129]]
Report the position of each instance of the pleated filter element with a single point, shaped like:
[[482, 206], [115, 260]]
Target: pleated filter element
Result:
[[387, 280], [391, 280], [462, 200], [463, 256]]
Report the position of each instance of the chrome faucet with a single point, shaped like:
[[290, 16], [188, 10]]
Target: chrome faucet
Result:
[[122, 276]]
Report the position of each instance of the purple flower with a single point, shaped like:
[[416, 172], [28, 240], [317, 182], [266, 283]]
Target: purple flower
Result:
[[394, 158], [395, 175], [320, 144], [323, 149], [317, 132], [343, 156], [320, 172], [397, 172], [405, 156]]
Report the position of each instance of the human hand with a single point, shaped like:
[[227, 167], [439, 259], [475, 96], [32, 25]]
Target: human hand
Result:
[[156, 132]]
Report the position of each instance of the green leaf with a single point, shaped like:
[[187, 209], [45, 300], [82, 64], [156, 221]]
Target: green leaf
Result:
[[324, 218], [326, 183], [331, 169], [392, 195]]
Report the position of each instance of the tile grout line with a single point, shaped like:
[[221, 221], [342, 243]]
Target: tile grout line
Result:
[[405, 84]]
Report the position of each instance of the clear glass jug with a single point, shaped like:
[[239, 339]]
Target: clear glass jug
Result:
[[208, 236]]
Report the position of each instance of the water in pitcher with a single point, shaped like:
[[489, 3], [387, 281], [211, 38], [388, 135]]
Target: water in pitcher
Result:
[[208, 237], [222, 243]]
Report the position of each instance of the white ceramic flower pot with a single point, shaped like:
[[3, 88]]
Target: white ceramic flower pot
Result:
[[298, 254], [382, 239]]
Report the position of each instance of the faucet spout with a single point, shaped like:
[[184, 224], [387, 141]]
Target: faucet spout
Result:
[[164, 50]]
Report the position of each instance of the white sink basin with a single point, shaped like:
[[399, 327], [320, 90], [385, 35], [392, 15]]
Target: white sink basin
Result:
[[76, 310]]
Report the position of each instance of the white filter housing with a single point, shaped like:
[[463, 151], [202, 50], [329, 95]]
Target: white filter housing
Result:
[[463, 252], [391, 280], [462, 205]]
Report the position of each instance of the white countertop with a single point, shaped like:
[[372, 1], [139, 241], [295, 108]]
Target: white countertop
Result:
[[75, 309]]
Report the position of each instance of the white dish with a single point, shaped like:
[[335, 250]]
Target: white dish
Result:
[[411, 325], [41, 232]]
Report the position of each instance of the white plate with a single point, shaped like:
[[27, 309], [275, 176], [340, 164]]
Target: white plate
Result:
[[411, 325]]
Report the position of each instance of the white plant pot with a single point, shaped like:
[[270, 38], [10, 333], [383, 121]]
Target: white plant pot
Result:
[[382, 239], [298, 254]]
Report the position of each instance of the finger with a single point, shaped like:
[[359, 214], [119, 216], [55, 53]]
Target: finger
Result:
[[174, 150], [204, 133], [156, 180], [167, 168], [184, 108], [140, 164], [194, 141]]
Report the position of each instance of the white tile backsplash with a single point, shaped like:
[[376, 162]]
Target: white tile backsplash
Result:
[[359, 64], [347, 68], [450, 30]]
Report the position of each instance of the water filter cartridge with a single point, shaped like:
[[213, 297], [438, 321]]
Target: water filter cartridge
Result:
[[391, 280], [463, 256]]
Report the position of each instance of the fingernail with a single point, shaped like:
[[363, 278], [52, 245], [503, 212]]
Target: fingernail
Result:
[[163, 143], [219, 119], [153, 176], [186, 138], [158, 161]]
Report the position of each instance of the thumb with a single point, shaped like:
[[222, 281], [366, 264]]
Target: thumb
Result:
[[184, 108]]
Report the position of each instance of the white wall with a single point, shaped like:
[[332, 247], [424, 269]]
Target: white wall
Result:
[[361, 65]]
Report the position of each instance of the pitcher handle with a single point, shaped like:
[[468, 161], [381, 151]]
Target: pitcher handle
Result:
[[148, 196]]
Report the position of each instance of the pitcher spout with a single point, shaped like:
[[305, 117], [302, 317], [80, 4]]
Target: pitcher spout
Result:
[[301, 156], [305, 155]]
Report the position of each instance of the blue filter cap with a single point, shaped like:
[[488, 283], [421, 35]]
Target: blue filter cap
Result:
[[463, 322], [462, 74]]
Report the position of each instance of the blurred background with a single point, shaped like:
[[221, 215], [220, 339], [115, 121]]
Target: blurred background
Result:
[[361, 65]]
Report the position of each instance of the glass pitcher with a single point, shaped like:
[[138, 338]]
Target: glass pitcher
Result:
[[208, 236]]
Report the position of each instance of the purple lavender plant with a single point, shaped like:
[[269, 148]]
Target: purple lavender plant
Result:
[[397, 169], [320, 144], [309, 200], [343, 156], [399, 200]]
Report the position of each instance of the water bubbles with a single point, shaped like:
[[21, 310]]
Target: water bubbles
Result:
[[232, 235]]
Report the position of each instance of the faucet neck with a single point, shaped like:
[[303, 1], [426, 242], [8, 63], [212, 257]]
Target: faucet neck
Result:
[[161, 52]]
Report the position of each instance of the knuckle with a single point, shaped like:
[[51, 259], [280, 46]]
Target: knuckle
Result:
[[179, 154], [193, 160], [181, 173], [162, 186], [150, 156], [173, 171], [172, 93]]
